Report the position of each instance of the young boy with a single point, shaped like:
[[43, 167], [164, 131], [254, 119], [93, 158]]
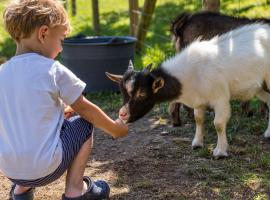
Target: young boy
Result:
[[37, 145]]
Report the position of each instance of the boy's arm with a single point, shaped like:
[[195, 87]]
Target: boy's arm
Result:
[[98, 118]]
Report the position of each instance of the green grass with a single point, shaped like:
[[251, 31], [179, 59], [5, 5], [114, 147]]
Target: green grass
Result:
[[114, 20]]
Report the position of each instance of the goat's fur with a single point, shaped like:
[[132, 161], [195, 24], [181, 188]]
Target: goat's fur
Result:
[[231, 66], [188, 27], [210, 73]]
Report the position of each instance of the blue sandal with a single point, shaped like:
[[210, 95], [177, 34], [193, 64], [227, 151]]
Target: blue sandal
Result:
[[28, 195], [97, 190]]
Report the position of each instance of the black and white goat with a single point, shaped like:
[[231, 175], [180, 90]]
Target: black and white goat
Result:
[[205, 74], [188, 27]]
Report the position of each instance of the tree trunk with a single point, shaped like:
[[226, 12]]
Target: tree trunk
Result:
[[73, 7], [133, 16], [211, 5], [144, 23], [95, 15]]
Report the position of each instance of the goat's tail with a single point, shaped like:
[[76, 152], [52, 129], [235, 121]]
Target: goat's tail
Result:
[[179, 22]]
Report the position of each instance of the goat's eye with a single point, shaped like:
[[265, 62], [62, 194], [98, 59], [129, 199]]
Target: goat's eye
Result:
[[140, 94]]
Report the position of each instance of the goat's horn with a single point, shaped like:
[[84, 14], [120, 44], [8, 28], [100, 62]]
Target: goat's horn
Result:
[[114, 77], [130, 66]]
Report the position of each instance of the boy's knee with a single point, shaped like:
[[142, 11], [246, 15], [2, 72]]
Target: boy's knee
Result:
[[89, 135]]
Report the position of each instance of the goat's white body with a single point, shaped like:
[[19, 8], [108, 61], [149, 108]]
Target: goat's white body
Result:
[[231, 66]]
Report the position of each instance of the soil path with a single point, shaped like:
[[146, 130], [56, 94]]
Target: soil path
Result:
[[155, 162]]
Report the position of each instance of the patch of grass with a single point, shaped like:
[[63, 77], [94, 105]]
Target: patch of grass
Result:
[[252, 180], [119, 182], [170, 195], [154, 56], [261, 196], [219, 176], [204, 152], [108, 101], [264, 161], [143, 184]]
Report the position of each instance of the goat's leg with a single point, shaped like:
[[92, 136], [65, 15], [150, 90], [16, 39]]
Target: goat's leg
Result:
[[265, 97], [222, 114], [189, 111], [263, 109], [174, 111], [263, 105], [199, 134], [246, 109]]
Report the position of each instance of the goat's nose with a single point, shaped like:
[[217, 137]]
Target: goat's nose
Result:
[[123, 114]]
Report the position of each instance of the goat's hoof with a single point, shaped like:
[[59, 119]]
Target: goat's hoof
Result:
[[196, 144], [219, 153], [196, 147], [267, 137], [175, 124], [267, 134], [250, 114]]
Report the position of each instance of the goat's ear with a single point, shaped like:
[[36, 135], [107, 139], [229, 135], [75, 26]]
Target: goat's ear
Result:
[[157, 84], [114, 77]]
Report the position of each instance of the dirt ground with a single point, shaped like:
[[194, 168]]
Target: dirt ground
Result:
[[155, 161]]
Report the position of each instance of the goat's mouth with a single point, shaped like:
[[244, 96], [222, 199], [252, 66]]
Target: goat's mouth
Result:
[[124, 114], [125, 119]]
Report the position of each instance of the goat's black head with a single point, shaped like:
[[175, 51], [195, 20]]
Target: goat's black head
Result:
[[177, 27], [138, 89]]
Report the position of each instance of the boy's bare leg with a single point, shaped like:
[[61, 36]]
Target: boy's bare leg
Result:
[[20, 189], [74, 180]]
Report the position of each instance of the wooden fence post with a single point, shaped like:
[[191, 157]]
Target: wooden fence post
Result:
[[133, 16], [144, 23], [211, 5], [73, 7], [95, 15]]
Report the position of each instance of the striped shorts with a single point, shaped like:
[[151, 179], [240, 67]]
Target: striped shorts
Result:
[[74, 133]]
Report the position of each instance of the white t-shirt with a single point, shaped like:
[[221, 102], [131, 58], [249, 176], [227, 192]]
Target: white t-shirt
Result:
[[32, 91]]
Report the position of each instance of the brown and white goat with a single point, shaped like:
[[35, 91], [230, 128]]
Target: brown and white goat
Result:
[[205, 74], [205, 25]]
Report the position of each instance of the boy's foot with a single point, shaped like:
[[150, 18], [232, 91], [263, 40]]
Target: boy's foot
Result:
[[97, 190], [28, 195]]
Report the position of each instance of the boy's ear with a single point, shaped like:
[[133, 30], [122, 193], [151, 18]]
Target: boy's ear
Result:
[[42, 33]]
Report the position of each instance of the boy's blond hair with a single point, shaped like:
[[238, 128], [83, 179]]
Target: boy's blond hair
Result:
[[22, 17]]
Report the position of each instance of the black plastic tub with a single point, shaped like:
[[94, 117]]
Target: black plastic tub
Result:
[[90, 57]]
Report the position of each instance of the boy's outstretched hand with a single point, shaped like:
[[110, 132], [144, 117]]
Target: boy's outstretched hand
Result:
[[122, 126]]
